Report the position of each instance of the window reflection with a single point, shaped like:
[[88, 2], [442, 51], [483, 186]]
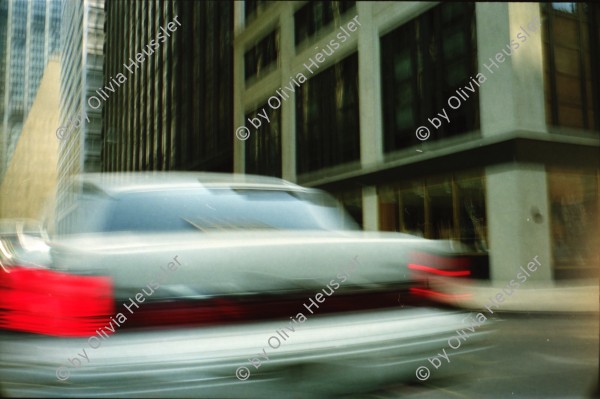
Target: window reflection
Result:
[[450, 208], [260, 58], [440, 223], [263, 147], [574, 232], [571, 48], [316, 15], [565, 7], [412, 218], [472, 224], [327, 118], [423, 62], [253, 8]]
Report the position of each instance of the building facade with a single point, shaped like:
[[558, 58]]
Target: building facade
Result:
[[29, 38], [172, 65], [79, 135], [477, 122], [30, 180]]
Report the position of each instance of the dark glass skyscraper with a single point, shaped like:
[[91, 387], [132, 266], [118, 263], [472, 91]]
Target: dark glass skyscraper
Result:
[[168, 86]]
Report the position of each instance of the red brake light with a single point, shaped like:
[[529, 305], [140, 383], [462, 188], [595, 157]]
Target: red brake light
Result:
[[54, 303], [427, 267], [440, 265], [447, 273]]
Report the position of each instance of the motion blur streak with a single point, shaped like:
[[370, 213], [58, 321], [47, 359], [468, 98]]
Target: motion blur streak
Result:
[[440, 262], [459, 273], [435, 294], [54, 303]]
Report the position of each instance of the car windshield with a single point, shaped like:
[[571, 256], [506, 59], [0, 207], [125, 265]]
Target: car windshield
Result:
[[208, 210]]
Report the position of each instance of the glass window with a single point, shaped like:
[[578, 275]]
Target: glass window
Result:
[[574, 207], [388, 209], [260, 59], [440, 221], [452, 207], [263, 147], [215, 209], [412, 211], [570, 8], [423, 63], [315, 15], [571, 47], [253, 8], [472, 218], [327, 118]]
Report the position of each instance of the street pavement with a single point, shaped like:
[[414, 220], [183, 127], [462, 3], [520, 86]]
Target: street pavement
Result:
[[528, 355]]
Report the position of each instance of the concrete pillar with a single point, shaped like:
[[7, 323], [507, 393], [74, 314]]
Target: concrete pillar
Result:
[[288, 108], [512, 102], [518, 216], [370, 208], [369, 88], [512, 96], [370, 108], [238, 88]]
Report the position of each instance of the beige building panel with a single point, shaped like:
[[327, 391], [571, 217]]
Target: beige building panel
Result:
[[31, 176]]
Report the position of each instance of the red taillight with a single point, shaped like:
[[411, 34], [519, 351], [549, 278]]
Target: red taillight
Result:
[[440, 265], [429, 271], [54, 303], [445, 273]]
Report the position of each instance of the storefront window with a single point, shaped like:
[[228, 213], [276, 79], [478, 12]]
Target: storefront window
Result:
[[440, 223], [574, 223], [449, 208], [472, 222], [412, 215]]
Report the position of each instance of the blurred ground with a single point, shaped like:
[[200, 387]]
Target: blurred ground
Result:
[[543, 355], [533, 296]]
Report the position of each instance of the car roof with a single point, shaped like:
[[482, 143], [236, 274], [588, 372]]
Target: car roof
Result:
[[113, 183]]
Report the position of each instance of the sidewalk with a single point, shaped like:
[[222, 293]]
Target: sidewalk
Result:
[[580, 296]]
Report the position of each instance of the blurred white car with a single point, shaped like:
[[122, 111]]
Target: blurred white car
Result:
[[193, 285]]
